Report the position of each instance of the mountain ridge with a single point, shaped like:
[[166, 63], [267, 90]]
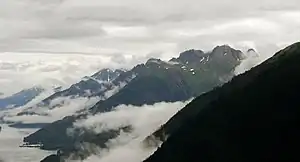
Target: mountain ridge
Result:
[[20, 98], [262, 129], [178, 79], [93, 86]]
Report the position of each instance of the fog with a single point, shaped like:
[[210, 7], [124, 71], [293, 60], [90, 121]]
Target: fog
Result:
[[61, 107], [10, 139], [57, 109], [252, 59], [144, 120]]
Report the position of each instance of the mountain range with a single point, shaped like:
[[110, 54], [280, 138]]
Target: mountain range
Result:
[[21, 98], [254, 117], [89, 86], [193, 73]]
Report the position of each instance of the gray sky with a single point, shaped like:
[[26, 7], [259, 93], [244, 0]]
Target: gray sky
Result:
[[44, 35]]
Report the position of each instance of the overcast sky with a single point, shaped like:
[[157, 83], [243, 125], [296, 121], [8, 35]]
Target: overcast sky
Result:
[[63, 40]]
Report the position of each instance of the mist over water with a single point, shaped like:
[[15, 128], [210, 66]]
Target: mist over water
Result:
[[10, 139]]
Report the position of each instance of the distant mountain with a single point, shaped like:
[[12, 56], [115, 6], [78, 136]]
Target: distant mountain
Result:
[[95, 85], [21, 98], [88, 86], [254, 117], [107, 75], [191, 74]]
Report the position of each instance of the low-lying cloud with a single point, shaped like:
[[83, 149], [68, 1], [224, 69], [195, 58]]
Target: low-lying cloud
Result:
[[61, 107], [128, 146], [253, 59]]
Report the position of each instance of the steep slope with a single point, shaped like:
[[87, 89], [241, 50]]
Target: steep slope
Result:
[[254, 117], [21, 98], [154, 81]]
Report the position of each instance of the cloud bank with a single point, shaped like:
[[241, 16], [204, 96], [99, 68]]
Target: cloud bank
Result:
[[128, 146], [57, 42], [58, 109]]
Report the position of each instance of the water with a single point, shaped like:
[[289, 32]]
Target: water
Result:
[[10, 139]]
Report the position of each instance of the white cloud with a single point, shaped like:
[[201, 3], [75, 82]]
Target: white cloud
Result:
[[89, 26], [82, 37], [253, 59], [122, 31], [291, 16], [248, 63], [25, 70], [125, 147], [114, 90], [58, 109], [58, 42], [128, 146]]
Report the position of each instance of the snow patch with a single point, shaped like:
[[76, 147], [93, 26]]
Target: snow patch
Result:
[[202, 59]]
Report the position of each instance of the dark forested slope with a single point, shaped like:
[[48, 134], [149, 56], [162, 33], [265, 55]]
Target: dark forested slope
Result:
[[254, 117]]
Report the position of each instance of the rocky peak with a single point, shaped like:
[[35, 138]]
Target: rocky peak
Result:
[[227, 51], [222, 50], [36, 89], [191, 55], [107, 74]]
